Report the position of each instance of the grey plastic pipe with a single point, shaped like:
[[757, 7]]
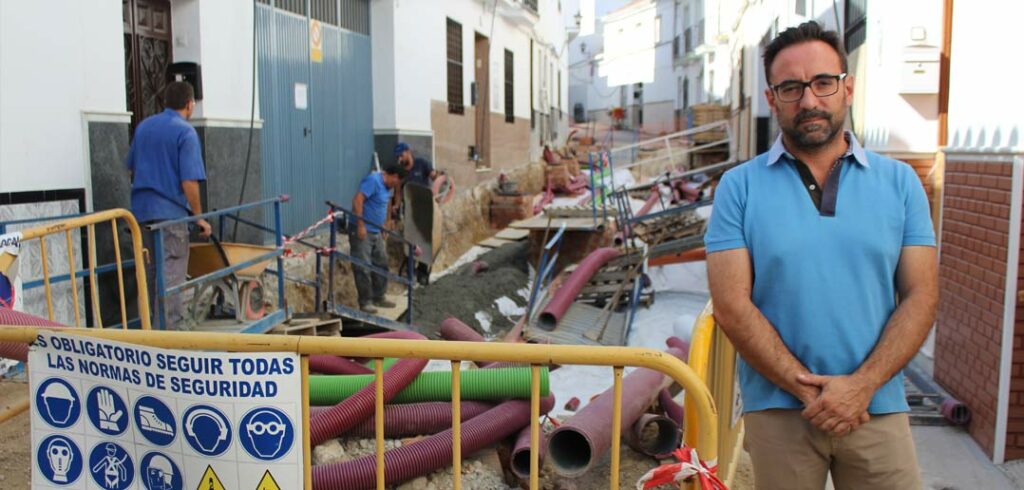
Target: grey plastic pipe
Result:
[[581, 440], [431, 453], [564, 297]]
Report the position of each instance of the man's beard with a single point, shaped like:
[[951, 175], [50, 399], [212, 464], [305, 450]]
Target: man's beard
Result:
[[812, 140]]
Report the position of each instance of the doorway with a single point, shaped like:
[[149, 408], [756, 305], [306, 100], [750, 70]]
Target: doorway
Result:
[[481, 60], [147, 53]]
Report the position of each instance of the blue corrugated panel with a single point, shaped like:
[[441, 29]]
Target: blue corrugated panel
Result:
[[320, 152]]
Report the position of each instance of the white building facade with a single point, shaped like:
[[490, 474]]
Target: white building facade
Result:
[[476, 86]]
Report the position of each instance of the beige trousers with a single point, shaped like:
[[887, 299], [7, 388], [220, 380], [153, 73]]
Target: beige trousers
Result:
[[789, 453]]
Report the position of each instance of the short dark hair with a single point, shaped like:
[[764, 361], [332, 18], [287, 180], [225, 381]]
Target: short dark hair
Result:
[[177, 95], [806, 32], [395, 169]]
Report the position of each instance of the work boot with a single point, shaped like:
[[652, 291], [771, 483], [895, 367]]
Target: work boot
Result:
[[368, 309], [383, 303]]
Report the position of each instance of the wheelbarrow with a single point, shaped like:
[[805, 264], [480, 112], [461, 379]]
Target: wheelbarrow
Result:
[[239, 295]]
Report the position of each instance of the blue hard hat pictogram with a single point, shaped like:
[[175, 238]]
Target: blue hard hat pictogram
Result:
[[159, 472], [154, 420], [58, 403], [59, 460], [107, 411], [266, 433], [207, 430], [111, 466]]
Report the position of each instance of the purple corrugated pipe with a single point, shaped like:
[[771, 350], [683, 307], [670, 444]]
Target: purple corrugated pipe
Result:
[[19, 350], [428, 454], [413, 419], [520, 460], [454, 329], [672, 409], [358, 407], [583, 438], [327, 364], [572, 286], [664, 437]]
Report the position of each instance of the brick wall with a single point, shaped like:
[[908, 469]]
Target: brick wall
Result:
[[972, 272]]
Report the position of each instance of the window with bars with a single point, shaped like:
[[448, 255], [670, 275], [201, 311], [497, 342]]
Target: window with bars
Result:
[[454, 48], [856, 24], [510, 116]]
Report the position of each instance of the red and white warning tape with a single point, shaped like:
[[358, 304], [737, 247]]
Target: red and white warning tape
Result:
[[289, 253], [689, 465]]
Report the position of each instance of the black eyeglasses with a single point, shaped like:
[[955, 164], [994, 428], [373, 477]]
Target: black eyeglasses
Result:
[[821, 86]]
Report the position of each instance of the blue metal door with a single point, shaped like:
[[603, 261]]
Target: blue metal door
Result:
[[317, 137], [343, 113]]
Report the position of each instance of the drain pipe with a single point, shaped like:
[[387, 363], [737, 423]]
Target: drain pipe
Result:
[[328, 364], [18, 351], [431, 453], [565, 295], [673, 410], [583, 439], [519, 462], [654, 435], [412, 419], [360, 406]]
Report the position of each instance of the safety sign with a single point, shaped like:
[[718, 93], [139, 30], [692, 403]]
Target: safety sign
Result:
[[119, 416]]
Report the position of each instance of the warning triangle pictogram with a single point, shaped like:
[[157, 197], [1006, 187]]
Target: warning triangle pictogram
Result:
[[210, 480], [268, 482]]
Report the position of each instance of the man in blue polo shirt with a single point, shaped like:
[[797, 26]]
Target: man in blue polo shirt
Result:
[[366, 238], [822, 269], [166, 166]]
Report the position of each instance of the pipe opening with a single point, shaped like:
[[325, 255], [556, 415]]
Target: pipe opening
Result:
[[521, 463], [658, 437], [547, 321], [569, 451]]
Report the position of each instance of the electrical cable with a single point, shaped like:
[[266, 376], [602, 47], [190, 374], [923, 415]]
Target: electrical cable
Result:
[[252, 123]]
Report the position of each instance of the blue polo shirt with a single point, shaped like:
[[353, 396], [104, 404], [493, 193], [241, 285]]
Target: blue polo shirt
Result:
[[826, 283], [375, 208], [164, 152]]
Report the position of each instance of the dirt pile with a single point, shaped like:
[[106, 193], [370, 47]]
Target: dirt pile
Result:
[[474, 289]]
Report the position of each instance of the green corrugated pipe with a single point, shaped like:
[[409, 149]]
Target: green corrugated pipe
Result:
[[388, 362], [477, 384]]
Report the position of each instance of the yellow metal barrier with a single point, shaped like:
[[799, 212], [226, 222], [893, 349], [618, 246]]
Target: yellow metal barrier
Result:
[[702, 429], [89, 222], [713, 359]]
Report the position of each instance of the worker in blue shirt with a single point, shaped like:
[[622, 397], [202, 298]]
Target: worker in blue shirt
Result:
[[166, 166], [367, 237], [420, 172]]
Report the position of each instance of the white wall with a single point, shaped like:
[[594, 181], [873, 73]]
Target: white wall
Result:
[[217, 34], [895, 122], [984, 112], [54, 67], [420, 57], [382, 47]]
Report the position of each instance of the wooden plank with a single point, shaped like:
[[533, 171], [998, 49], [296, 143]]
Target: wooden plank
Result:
[[493, 242], [572, 224], [512, 234]]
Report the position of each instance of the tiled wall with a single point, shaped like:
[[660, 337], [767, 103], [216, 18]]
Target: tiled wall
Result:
[[30, 266], [972, 272]]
